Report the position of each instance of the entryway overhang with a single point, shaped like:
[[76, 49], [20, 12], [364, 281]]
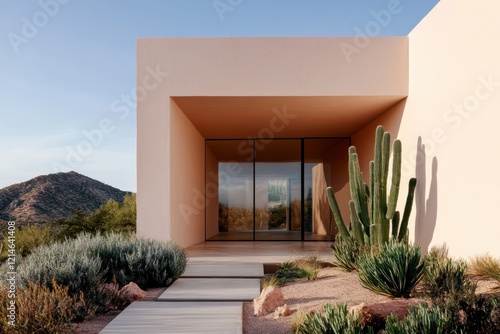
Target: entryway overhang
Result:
[[225, 117]]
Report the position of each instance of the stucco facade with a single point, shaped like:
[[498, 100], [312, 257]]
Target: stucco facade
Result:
[[215, 88]]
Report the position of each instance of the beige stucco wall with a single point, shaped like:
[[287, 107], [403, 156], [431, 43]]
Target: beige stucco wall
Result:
[[171, 154], [187, 179], [453, 107]]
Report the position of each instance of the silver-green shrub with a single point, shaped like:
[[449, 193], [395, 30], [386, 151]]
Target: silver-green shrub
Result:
[[71, 266], [152, 263], [85, 263]]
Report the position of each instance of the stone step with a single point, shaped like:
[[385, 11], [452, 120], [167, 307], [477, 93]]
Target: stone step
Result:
[[178, 317], [204, 269], [212, 289]]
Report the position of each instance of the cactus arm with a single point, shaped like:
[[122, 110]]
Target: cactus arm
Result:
[[358, 192], [379, 202], [396, 179], [336, 213], [386, 147], [395, 224], [356, 226], [406, 215], [372, 185]]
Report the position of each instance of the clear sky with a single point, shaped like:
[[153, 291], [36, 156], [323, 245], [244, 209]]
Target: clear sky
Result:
[[63, 63]]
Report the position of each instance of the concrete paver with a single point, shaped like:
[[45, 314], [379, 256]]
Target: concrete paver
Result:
[[205, 269], [212, 289], [178, 318]]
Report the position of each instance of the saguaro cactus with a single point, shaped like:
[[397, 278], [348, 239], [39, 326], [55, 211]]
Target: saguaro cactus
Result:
[[372, 208]]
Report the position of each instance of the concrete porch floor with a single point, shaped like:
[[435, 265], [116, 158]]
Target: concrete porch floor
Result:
[[257, 251]]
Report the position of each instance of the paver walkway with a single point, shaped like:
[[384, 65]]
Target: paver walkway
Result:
[[209, 296]]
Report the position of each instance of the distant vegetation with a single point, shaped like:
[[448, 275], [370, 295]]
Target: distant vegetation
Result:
[[111, 217]]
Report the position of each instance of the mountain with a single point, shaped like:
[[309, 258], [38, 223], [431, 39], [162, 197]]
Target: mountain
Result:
[[50, 197]]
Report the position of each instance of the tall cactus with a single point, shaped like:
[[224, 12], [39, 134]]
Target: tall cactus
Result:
[[372, 207]]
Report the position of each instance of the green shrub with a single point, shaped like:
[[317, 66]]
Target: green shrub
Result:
[[110, 217], [27, 239], [152, 263], [336, 320], [444, 276], [40, 309], [394, 271], [85, 263], [287, 272], [346, 252], [71, 266], [422, 320], [308, 267]]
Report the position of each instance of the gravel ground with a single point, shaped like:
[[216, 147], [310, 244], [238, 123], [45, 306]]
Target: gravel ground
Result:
[[332, 286]]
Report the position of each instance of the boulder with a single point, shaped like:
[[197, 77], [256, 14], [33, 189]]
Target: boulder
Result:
[[282, 311], [375, 314], [131, 292], [269, 299]]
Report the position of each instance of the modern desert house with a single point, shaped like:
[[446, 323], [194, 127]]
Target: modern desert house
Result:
[[239, 137]]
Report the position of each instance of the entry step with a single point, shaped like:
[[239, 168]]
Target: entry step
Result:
[[212, 289]]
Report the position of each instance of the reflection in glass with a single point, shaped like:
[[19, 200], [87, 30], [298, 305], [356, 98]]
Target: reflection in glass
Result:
[[254, 192], [278, 190]]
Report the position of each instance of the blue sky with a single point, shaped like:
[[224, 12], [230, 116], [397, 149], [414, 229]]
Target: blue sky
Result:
[[63, 63]]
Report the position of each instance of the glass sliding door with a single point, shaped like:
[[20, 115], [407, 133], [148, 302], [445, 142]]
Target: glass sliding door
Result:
[[278, 190], [274, 189]]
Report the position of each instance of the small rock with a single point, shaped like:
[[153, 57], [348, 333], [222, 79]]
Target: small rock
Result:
[[131, 292], [269, 299], [282, 311]]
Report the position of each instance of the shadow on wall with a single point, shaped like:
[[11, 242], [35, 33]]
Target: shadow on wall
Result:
[[426, 210]]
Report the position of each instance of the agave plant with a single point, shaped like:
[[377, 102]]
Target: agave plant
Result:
[[394, 270]]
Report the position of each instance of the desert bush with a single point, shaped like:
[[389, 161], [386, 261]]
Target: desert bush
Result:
[[346, 252], [423, 319], [86, 263], [393, 271], [27, 239], [152, 263], [298, 318], [335, 319], [487, 266], [271, 281], [71, 266], [287, 272], [40, 309], [308, 267], [444, 276]]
